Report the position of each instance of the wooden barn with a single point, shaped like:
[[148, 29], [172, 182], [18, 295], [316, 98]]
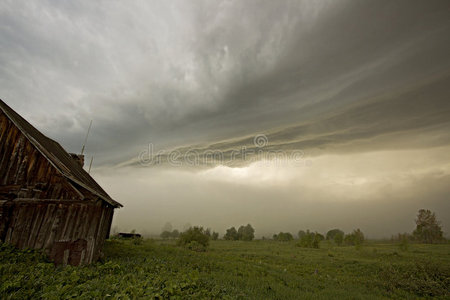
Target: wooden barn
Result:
[[47, 200]]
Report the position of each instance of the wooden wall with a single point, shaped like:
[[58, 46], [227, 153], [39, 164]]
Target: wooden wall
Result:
[[55, 225], [40, 208], [24, 171]]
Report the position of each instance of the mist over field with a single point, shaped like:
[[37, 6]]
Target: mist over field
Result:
[[287, 115]]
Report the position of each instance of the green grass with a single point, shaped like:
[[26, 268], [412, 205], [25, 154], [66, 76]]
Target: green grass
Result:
[[233, 270]]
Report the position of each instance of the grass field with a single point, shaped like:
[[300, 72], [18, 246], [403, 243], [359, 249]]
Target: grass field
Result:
[[233, 270]]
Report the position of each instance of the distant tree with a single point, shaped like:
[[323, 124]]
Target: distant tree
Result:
[[287, 236], [309, 240], [332, 233], [428, 229], [169, 234], [316, 240], [356, 238], [165, 234], [194, 238], [339, 238], [283, 237], [215, 236], [174, 234], [301, 234], [167, 227], [208, 232], [319, 236], [187, 226], [231, 234], [246, 233]]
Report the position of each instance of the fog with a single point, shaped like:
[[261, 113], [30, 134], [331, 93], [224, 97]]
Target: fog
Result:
[[379, 192]]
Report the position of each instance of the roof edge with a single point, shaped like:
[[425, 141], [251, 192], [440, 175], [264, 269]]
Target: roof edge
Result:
[[110, 201]]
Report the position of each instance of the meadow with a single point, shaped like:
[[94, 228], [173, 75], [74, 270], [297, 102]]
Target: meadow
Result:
[[260, 269]]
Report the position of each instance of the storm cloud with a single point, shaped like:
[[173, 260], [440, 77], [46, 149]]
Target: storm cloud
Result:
[[331, 80]]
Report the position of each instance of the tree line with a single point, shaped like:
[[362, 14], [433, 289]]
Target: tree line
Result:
[[428, 230]]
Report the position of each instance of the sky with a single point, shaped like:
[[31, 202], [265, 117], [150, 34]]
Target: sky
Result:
[[284, 114]]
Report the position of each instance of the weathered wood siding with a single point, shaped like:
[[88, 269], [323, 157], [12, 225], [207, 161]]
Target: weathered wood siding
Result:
[[24, 171], [39, 208], [48, 224]]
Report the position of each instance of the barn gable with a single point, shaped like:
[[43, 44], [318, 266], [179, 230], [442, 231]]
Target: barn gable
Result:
[[56, 156], [47, 200]]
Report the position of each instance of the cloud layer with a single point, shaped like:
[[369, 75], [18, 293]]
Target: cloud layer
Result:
[[331, 79]]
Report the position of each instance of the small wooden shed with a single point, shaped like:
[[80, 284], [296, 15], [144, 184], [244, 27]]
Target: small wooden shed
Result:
[[47, 200]]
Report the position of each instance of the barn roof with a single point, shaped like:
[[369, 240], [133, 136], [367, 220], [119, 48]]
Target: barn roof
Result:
[[57, 156]]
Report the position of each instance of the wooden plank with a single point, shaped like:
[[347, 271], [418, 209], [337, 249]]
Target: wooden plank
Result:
[[67, 219], [37, 224], [45, 227], [18, 224], [32, 214], [81, 220], [54, 227]]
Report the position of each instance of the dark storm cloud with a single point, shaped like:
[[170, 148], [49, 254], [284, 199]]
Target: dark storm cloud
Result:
[[348, 54], [417, 116], [362, 88], [187, 73]]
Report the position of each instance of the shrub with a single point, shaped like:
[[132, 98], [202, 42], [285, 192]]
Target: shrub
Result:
[[165, 234], [339, 238], [301, 234], [356, 238], [316, 240], [283, 237], [428, 228], [194, 238], [333, 232], [196, 246], [174, 234], [310, 240], [231, 234], [319, 236], [246, 233]]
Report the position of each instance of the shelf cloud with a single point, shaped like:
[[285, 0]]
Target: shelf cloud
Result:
[[321, 81]]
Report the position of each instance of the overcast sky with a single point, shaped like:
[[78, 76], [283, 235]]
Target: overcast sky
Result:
[[353, 97]]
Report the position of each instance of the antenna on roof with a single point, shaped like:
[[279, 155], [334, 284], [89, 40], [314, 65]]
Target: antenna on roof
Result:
[[90, 165], [85, 140]]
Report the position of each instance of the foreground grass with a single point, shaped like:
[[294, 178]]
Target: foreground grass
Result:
[[233, 270]]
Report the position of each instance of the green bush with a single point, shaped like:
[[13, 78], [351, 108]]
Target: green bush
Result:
[[283, 237], [246, 233], [339, 238], [301, 234], [356, 238], [331, 234], [231, 234], [310, 240], [196, 246], [194, 238], [428, 229]]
